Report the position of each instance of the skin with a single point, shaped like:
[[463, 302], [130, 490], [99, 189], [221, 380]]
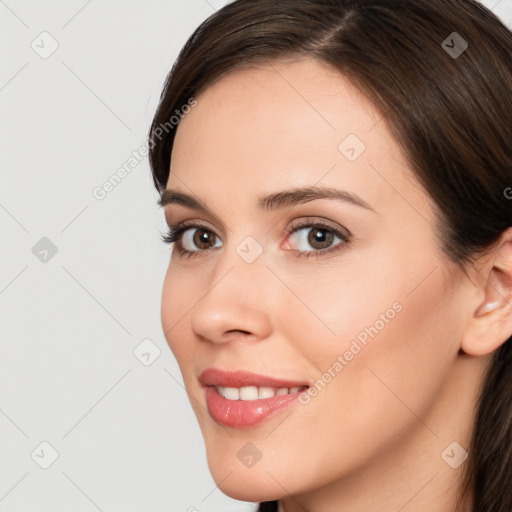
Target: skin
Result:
[[372, 438]]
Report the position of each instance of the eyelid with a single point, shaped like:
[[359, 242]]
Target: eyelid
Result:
[[190, 223], [177, 225], [292, 226], [295, 225]]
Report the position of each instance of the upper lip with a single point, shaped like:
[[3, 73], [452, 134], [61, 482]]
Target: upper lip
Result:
[[241, 378]]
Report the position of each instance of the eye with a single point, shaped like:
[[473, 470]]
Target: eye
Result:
[[190, 239], [197, 238], [193, 239], [319, 236]]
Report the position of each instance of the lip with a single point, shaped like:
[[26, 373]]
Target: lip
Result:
[[241, 413], [241, 378]]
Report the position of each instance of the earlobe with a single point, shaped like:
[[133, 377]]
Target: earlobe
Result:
[[491, 325]]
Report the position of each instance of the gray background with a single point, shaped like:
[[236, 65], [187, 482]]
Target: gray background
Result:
[[122, 427]]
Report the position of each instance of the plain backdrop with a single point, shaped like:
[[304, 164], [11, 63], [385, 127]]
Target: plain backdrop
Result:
[[93, 414]]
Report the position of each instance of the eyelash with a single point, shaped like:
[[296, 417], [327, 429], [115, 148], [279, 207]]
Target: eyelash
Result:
[[174, 235]]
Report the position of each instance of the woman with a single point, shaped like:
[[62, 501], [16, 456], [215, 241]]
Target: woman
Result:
[[338, 298]]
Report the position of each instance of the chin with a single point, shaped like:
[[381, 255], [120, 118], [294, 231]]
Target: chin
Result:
[[250, 489], [241, 483]]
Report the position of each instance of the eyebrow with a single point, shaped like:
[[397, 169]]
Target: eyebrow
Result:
[[275, 201]]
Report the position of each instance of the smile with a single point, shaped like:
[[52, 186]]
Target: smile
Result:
[[249, 393], [244, 399]]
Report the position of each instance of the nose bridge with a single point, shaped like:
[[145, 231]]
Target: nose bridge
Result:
[[243, 264], [239, 294]]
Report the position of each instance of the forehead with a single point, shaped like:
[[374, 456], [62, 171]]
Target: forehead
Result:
[[287, 123]]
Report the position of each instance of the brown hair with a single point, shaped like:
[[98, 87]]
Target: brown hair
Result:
[[449, 110]]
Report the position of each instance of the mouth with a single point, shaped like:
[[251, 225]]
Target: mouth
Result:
[[251, 393], [244, 399]]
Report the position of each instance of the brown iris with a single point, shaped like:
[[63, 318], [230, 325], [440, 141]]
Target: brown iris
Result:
[[203, 236], [321, 236]]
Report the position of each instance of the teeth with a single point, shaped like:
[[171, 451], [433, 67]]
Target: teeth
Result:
[[232, 393], [249, 393], [266, 392]]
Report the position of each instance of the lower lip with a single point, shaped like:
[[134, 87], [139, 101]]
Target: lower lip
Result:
[[245, 413]]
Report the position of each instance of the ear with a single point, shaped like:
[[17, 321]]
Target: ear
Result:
[[491, 324]]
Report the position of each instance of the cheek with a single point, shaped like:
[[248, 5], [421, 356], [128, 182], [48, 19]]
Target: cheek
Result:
[[377, 338], [177, 300], [391, 351]]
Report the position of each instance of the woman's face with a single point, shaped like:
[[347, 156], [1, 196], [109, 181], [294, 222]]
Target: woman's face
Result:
[[361, 309]]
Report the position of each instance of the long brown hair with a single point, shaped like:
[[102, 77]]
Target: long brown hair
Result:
[[447, 100]]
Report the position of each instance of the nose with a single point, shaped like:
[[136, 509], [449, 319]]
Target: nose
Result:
[[237, 304]]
